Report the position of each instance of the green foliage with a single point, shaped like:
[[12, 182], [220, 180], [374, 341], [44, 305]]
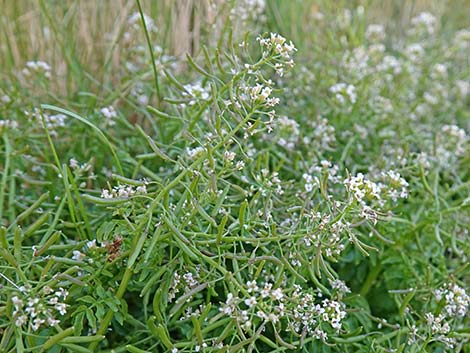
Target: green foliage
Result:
[[263, 199]]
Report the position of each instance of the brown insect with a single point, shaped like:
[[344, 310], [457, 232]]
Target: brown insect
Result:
[[114, 248]]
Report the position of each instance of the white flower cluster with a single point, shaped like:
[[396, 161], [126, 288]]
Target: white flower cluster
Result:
[[138, 93], [456, 299], [375, 33], [397, 186], [423, 24], [135, 25], [452, 142], [52, 122], [283, 51], [261, 94], [326, 235], [363, 189], [40, 309], [186, 282], [462, 39], [312, 178], [308, 315], [311, 182], [323, 134], [124, 191], [356, 62], [110, 114], [264, 302], [248, 10], [196, 92], [271, 181], [415, 52], [437, 323], [287, 132], [454, 302], [37, 67], [194, 153], [344, 94], [340, 286], [75, 165], [463, 88], [8, 124]]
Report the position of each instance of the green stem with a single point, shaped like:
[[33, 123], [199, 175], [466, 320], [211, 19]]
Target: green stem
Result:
[[152, 56], [371, 277], [5, 173]]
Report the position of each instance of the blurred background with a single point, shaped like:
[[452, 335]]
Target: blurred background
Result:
[[87, 42]]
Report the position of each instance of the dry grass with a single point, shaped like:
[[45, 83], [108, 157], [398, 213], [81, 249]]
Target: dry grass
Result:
[[86, 36]]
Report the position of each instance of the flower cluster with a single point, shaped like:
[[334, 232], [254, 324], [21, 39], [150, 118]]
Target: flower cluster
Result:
[[245, 11], [397, 186], [310, 316], [38, 309], [375, 33], [282, 50], [394, 187], [52, 122], [196, 92], [462, 39], [270, 181], [184, 282], [82, 170], [37, 68], [263, 303], [344, 93], [287, 132], [124, 191], [362, 188], [456, 299], [261, 94], [134, 25], [453, 142], [9, 124], [110, 114], [423, 24]]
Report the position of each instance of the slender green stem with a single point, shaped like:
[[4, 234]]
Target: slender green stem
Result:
[[152, 56], [4, 173]]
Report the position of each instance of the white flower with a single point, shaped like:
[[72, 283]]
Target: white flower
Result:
[[344, 93], [240, 165], [39, 67], [195, 92], [78, 256], [11, 124], [73, 163], [91, 244], [195, 152], [229, 155], [415, 52], [277, 294], [252, 286], [61, 308], [52, 322], [251, 301], [266, 290], [20, 320], [375, 32], [17, 302], [110, 114], [424, 23]]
